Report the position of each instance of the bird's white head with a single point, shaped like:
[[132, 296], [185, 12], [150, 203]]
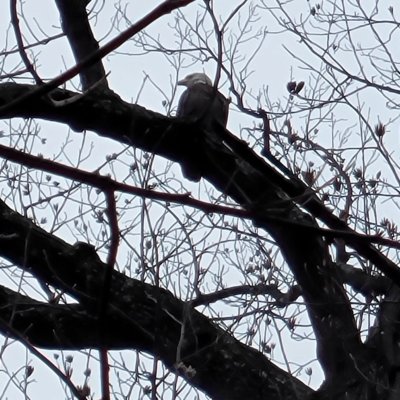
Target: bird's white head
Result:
[[193, 79]]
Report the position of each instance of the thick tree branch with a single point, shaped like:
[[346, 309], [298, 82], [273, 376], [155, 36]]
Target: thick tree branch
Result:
[[138, 316], [76, 27], [110, 117], [165, 7], [234, 169], [366, 284]]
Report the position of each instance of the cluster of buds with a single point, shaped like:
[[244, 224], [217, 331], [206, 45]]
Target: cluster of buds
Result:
[[294, 88]]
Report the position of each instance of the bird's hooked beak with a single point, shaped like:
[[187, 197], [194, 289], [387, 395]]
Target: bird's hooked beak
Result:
[[182, 82]]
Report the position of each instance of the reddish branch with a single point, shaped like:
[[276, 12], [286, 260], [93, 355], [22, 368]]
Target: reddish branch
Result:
[[106, 184]]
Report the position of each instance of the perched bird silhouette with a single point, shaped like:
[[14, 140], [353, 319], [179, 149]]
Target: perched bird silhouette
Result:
[[201, 102]]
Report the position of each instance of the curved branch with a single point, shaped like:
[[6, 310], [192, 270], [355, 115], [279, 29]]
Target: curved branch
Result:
[[20, 42], [75, 25]]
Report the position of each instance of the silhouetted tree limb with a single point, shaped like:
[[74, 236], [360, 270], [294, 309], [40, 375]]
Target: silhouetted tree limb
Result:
[[139, 316], [235, 170], [148, 318], [75, 24]]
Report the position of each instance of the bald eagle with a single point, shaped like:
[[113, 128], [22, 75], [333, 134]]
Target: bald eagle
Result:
[[202, 103]]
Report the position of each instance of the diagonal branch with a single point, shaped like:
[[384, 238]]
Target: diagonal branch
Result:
[[164, 8], [138, 316], [231, 166], [76, 27]]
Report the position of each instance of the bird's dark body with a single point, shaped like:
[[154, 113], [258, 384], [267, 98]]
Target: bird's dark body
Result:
[[204, 104]]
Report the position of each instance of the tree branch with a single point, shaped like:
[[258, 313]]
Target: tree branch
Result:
[[138, 316], [76, 27], [231, 166]]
